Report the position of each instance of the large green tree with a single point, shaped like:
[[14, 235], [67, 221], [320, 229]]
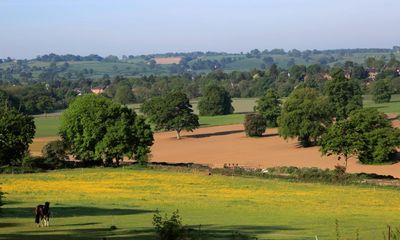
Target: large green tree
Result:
[[269, 106], [344, 95], [381, 91], [341, 139], [97, 130], [172, 112], [366, 134], [305, 115], [16, 133], [215, 101]]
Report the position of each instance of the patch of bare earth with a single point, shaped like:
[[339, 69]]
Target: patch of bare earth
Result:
[[168, 60], [216, 146], [38, 143]]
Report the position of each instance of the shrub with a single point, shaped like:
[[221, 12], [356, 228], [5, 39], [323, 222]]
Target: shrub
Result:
[[54, 154], [30, 164], [169, 228], [254, 125]]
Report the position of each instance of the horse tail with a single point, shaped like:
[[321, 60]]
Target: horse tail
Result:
[[37, 215]]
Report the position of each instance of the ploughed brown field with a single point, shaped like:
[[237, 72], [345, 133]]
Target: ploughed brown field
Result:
[[167, 60], [228, 144]]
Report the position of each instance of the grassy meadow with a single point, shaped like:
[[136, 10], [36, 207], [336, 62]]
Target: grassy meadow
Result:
[[392, 107], [47, 126], [86, 202]]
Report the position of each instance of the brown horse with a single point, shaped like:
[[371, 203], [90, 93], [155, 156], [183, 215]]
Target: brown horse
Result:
[[42, 215]]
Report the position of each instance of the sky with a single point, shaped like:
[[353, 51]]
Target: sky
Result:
[[132, 27]]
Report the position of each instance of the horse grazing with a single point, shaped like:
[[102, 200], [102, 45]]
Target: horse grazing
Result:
[[42, 215]]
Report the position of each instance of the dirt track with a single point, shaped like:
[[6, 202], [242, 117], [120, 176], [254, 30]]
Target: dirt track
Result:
[[228, 144]]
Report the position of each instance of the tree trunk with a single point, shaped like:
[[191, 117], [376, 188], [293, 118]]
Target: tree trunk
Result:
[[178, 134], [305, 141]]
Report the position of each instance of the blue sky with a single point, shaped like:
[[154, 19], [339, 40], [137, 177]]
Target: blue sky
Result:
[[33, 27]]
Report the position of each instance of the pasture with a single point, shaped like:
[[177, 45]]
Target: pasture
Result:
[[392, 107], [85, 203], [47, 126]]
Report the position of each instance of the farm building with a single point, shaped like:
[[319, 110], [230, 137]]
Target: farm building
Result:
[[97, 90]]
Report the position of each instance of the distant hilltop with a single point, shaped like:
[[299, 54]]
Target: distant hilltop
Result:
[[94, 66]]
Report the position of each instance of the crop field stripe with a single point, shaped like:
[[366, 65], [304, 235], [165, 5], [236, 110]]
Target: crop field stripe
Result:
[[86, 202]]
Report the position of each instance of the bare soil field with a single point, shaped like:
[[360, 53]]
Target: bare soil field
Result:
[[216, 146], [167, 60], [38, 143]]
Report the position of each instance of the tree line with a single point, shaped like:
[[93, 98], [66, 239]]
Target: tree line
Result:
[[100, 131], [34, 97]]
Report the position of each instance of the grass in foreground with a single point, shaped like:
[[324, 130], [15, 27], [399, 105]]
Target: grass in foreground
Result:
[[86, 202]]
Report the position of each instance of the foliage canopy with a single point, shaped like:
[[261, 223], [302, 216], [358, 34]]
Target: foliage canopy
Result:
[[305, 115], [98, 130], [215, 101], [16, 133], [172, 112]]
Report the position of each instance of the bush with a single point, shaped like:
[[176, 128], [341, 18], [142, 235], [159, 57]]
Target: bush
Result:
[[54, 154], [254, 125], [35, 163], [169, 228]]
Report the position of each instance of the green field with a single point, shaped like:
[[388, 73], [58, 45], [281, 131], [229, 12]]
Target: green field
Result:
[[392, 107], [86, 202], [48, 126]]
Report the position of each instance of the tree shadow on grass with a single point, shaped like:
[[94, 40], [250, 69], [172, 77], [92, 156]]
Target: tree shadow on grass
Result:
[[378, 107], [199, 232], [76, 224], [4, 225], [70, 212], [237, 232], [270, 135], [204, 135]]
